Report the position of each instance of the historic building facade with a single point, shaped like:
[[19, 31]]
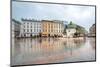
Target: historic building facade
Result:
[[46, 28], [70, 32], [30, 28], [15, 28], [92, 30], [52, 28]]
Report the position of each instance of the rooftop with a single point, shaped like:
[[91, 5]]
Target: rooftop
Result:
[[16, 21], [33, 20], [53, 21], [30, 20]]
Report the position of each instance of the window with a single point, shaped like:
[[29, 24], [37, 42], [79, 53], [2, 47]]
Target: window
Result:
[[31, 30], [24, 30], [27, 30], [27, 26], [31, 26]]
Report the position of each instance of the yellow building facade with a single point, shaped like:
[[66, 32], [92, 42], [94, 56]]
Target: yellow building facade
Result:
[[52, 28]]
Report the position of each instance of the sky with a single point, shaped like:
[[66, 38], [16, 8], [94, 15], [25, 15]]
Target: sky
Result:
[[80, 15]]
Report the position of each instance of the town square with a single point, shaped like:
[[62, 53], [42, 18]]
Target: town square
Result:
[[42, 34]]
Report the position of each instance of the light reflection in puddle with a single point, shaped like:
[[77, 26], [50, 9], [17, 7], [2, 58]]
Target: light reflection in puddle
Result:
[[52, 50]]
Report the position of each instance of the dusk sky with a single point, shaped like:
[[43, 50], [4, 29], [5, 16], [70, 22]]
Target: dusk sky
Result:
[[81, 15]]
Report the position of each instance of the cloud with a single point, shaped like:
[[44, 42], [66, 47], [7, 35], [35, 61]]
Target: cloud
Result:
[[81, 15]]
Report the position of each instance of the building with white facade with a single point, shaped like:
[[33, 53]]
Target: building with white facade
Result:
[[15, 28], [30, 28], [70, 32]]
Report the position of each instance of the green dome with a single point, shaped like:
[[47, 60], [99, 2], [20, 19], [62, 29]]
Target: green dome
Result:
[[71, 25]]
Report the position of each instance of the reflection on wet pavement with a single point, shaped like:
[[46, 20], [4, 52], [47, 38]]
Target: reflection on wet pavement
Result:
[[52, 50]]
